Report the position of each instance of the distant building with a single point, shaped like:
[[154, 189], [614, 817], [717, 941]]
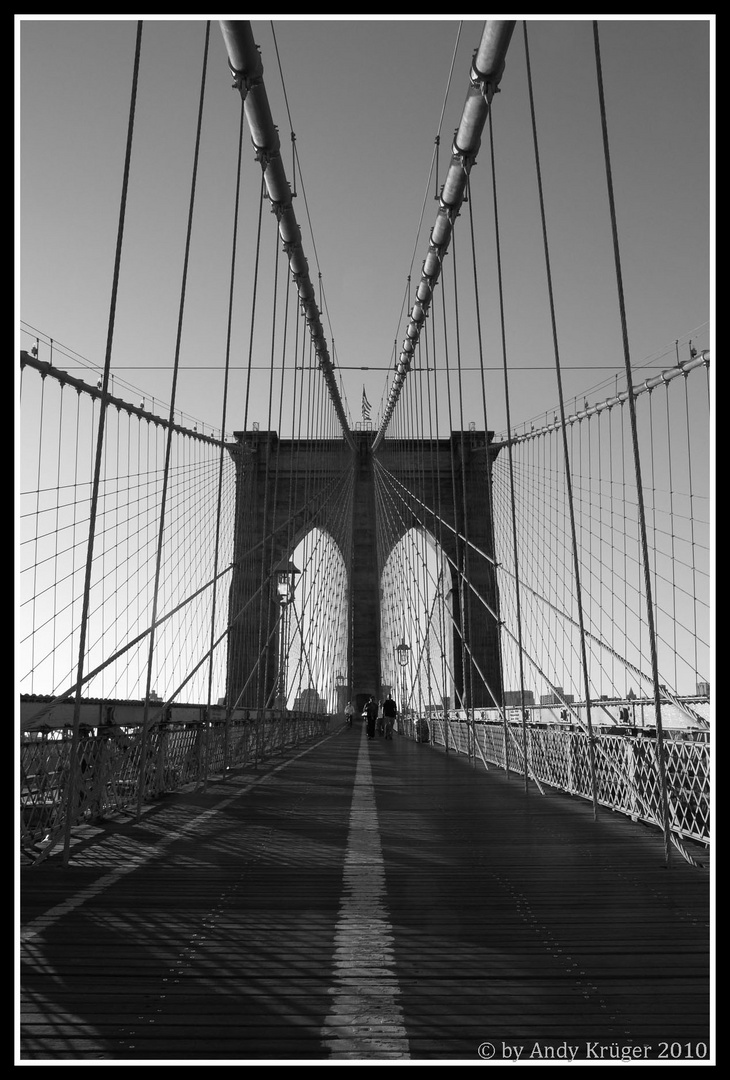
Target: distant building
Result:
[[310, 701], [558, 698], [513, 698], [703, 689]]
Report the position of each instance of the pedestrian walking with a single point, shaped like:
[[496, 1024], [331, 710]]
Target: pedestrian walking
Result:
[[390, 712], [349, 713], [371, 711]]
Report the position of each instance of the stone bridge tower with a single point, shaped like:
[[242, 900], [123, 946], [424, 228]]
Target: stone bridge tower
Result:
[[284, 488]]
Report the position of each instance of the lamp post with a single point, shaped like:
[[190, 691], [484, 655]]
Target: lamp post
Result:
[[403, 652], [341, 691], [286, 575]]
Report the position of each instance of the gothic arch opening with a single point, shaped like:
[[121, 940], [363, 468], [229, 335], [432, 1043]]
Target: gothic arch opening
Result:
[[315, 626], [416, 624]]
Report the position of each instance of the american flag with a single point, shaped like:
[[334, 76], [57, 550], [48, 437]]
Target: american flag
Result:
[[365, 405]]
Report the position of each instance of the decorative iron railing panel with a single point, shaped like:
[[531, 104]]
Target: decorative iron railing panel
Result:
[[627, 773], [106, 770]]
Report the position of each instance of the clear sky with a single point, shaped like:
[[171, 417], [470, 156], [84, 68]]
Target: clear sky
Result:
[[366, 98]]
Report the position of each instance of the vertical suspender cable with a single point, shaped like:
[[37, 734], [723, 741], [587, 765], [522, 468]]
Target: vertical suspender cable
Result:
[[625, 535], [171, 430], [291, 492], [467, 597], [282, 666], [599, 509], [612, 549], [458, 539], [221, 460], [265, 631], [653, 501], [73, 778], [670, 479], [568, 481], [253, 306], [75, 510], [589, 448], [445, 625], [55, 555], [637, 463], [265, 596], [490, 499], [37, 511], [691, 525], [510, 460]]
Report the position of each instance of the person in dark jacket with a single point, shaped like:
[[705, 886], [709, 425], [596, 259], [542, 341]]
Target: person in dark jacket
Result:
[[389, 712], [371, 710]]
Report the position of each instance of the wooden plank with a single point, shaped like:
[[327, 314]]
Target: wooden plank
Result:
[[214, 928]]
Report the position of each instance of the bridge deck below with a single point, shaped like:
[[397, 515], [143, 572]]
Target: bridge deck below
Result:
[[365, 900]]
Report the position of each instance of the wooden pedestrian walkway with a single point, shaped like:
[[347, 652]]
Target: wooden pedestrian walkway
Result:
[[365, 900]]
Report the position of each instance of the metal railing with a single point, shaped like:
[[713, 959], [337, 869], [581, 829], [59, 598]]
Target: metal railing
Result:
[[105, 774], [627, 772]]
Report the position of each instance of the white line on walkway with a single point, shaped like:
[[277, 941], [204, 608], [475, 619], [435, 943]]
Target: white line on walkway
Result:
[[365, 1019]]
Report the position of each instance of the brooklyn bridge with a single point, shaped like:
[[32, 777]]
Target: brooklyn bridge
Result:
[[230, 547]]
